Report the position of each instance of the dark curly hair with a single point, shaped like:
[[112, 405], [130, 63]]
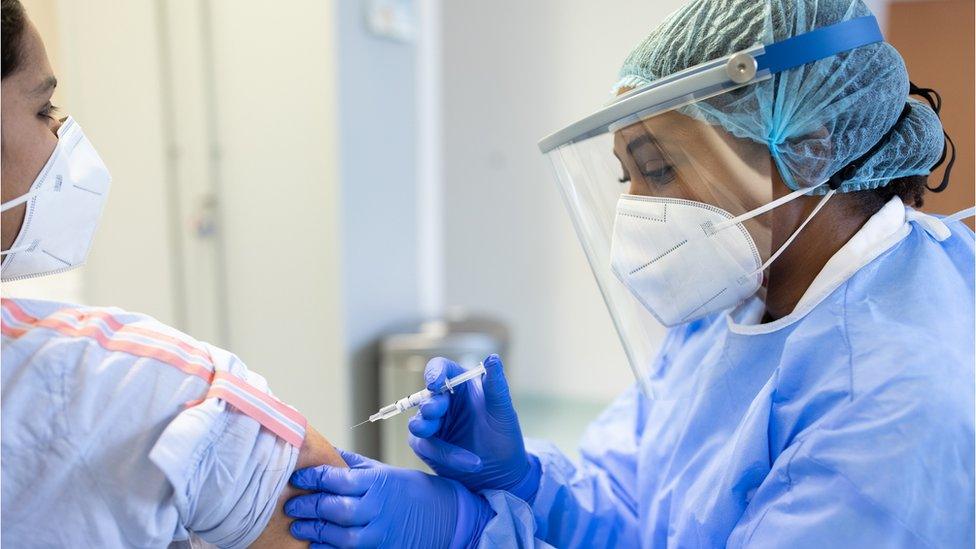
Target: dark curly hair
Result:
[[910, 189], [11, 33]]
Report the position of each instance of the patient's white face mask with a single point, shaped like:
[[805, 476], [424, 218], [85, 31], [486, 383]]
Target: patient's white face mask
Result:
[[64, 206]]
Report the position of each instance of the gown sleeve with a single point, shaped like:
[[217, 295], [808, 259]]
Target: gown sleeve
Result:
[[590, 505]]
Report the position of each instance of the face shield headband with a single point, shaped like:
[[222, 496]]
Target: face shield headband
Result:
[[721, 75]]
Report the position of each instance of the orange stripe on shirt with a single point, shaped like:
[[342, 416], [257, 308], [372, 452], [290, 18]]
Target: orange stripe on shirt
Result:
[[271, 401], [8, 330], [113, 323], [19, 317], [15, 311], [287, 434], [106, 342], [96, 333], [165, 356], [130, 347]]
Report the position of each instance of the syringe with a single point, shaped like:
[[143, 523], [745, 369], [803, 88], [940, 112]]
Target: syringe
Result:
[[423, 395]]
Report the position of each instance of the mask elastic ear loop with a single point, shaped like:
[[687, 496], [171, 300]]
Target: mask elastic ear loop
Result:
[[762, 209], [62, 131], [821, 204], [17, 249], [19, 200], [823, 201]]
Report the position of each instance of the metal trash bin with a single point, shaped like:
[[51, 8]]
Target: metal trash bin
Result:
[[403, 356]]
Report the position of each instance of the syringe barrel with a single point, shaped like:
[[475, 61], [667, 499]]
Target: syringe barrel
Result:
[[415, 399], [463, 377], [423, 395]]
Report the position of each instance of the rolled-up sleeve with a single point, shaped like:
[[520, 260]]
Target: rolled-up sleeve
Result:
[[229, 457], [226, 472]]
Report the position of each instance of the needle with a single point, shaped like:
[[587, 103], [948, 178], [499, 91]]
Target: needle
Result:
[[421, 396]]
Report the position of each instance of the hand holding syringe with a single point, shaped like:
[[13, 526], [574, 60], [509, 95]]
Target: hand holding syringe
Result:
[[423, 395]]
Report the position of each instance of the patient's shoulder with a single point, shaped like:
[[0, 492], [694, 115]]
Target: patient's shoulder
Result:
[[93, 369], [97, 334]]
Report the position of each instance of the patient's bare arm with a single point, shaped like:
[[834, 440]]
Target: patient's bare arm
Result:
[[315, 451]]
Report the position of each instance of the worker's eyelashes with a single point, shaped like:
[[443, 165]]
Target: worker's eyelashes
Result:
[[655, 171], [625, 178], [651, 161], [48, 111], [658, 172]]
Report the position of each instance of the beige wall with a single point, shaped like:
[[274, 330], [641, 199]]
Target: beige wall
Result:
[[936, 39], [516, 71], [44, 14], [274, 78]]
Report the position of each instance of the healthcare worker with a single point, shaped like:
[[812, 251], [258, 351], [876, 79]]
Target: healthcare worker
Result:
[[752, 187]]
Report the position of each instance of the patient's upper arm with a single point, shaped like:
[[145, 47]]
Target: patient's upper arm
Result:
[[229, 459], [316, 450]]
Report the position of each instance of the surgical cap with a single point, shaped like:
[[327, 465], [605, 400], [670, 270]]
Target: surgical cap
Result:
[[816, 119]]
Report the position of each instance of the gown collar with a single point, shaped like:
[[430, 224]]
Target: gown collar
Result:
[[882, 231]]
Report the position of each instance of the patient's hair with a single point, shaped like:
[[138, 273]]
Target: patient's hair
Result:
[[14, 21]]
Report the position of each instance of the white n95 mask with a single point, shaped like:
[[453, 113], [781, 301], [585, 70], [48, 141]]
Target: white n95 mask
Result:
[[64, 205], [684, 260]]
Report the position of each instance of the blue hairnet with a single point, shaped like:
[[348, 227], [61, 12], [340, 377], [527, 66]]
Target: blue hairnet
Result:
[[816, 118]]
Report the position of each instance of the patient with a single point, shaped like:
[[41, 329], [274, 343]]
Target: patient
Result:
[[116, 430]]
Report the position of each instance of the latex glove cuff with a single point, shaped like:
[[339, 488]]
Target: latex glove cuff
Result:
[[527, 488], [472, 510]]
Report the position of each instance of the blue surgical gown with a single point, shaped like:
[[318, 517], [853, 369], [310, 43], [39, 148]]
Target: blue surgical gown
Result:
[[846, 424]]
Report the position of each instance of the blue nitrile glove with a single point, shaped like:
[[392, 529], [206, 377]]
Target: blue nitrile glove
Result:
[[372, 504], [473, 435]]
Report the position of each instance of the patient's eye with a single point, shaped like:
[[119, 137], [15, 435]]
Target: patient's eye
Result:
[[48, 111]]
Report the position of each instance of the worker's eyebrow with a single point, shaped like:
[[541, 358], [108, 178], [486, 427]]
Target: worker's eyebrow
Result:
[[642, 139], [47, 85]]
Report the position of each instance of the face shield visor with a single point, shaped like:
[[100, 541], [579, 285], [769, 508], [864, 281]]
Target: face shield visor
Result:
[[675, 213]]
